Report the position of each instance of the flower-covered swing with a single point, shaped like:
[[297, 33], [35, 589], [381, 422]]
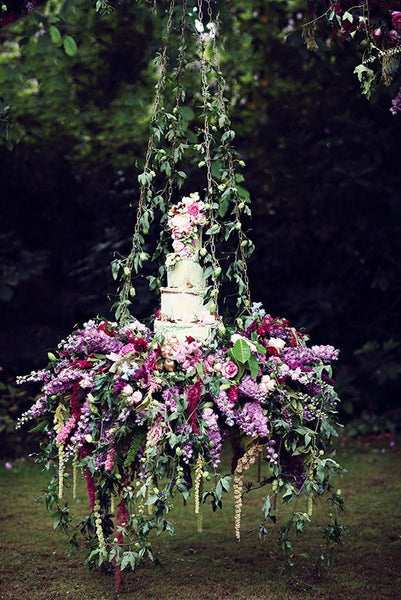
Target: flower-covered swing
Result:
[[142, 413]]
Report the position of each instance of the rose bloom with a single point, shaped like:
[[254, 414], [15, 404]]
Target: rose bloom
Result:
[[229, 369], [276, 343], [396, 20], [134, 398], [193, 210], [178, 246], [180, 222], [128, 390]]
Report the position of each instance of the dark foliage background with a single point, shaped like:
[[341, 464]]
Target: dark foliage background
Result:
[[322, 168]]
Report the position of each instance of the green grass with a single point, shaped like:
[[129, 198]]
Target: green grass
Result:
[[213, 565]]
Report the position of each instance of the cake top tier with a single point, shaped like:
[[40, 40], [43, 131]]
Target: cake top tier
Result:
[[185, 221]]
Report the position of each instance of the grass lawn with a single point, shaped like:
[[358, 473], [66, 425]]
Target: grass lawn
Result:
[[213, 565]]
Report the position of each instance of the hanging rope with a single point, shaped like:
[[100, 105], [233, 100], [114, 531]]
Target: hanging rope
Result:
[[178, 98], [242, 242], [122, 309], [172, 130], [207, 155]]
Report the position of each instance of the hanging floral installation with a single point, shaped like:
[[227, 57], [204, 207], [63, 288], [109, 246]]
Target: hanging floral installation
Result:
[[142, 412]]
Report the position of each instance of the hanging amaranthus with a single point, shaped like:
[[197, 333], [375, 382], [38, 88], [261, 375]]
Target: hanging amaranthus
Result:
[[244, 463], [197, 490], [58, 426], [309, 506], [98, 525], [74, 475]]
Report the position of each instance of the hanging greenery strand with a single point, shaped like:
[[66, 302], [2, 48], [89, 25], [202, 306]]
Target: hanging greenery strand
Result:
[[145, 181], [207, 140], [245, 246]]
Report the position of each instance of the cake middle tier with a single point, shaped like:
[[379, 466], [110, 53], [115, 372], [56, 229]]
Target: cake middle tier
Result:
[[186, 274], [180, 305]]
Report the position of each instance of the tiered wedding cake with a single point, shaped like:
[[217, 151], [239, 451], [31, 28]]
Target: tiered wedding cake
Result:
[[183, 312]]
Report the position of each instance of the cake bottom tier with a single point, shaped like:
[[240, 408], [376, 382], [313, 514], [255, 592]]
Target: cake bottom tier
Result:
[[181, 330]]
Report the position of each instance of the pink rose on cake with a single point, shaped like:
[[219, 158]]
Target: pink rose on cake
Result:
[[178, 246], [180, 223], [193, 210], [191, 199]]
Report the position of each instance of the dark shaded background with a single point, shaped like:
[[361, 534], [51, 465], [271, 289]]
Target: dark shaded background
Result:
[[322, 168]]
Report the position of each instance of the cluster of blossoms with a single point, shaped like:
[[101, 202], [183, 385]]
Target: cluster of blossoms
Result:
[[184, 221], [126, 404]]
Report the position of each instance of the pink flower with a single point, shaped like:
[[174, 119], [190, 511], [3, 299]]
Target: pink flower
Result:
[[193, 210], [111, 454], [66, 430], [127, 348], [201, 219], [178, 246], [181, 223], [229, 369], [396, 20]]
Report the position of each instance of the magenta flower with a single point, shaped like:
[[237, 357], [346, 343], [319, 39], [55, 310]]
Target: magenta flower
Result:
[[193, 210], [127, 349], [396, 19]]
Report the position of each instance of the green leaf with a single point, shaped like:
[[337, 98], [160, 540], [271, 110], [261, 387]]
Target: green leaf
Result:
[[187, 113], [253, 366], [223, 205], [241, 351], [70, 46], [128, 559], [366, 78], [266, 508], [55, 35]]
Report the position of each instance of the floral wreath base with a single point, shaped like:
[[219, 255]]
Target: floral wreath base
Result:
[[137, 414]]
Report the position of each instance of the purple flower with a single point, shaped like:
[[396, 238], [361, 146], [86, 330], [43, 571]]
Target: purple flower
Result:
[[301, 356], [90, 340], [214, 434], [271, 453], [225, 405], [396, 104], [168, 398], [37, 410], [250, 388], [252, 420]]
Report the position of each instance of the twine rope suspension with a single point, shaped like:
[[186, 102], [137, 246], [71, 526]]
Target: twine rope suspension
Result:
[[125, 293]]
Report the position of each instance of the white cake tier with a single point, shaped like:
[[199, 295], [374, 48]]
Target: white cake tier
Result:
[[186, 275], [179, 305], [183, 330]]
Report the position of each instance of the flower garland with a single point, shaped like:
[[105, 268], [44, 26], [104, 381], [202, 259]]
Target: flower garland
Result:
[[137, 414], [185, 220]]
